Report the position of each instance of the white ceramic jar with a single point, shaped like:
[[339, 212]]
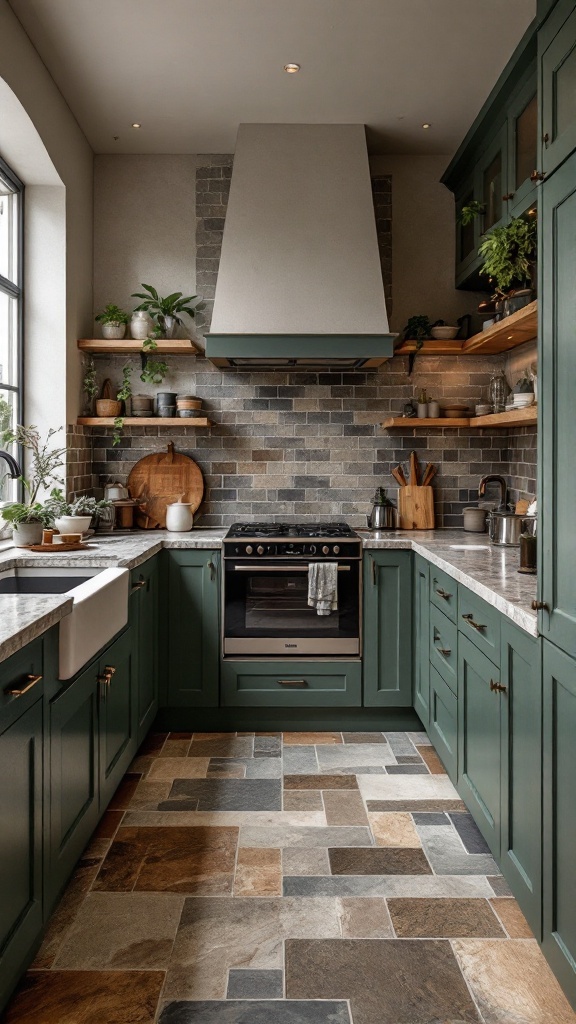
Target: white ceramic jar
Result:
[[73, 524], [179, 517], [140, 325], [113, 331]]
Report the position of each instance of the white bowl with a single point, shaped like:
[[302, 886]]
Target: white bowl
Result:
[[522, 400], [73, 524], [444, 333]]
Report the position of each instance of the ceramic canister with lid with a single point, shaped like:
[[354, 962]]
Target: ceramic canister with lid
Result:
[[179, 517]]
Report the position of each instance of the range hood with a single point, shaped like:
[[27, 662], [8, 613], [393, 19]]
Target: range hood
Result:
[[299, 283]]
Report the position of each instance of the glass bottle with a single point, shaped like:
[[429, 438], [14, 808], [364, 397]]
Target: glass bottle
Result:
[[498, 390]]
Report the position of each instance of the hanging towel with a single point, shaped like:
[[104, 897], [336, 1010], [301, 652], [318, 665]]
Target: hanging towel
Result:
[[323, 587]]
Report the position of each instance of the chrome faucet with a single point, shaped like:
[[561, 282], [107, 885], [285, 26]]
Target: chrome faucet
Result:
[[493, 477], [13, 466]]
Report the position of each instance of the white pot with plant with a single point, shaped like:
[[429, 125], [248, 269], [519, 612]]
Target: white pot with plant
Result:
[[114, 321], [30, 517], [76, 515], [166, 311]]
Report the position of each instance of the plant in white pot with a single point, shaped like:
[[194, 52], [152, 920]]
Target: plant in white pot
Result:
[[76, 515], [114, 321], [30, 517], [166, 311]]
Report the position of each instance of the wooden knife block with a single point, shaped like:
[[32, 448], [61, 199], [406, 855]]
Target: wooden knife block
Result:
[[415, 508]]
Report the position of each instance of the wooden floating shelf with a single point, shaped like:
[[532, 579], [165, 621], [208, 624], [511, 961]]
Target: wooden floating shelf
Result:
[[514, 418], [145, 421], [507, 334], [131, 346]]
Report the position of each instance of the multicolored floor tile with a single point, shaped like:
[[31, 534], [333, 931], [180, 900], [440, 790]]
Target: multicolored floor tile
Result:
[[297, 878]]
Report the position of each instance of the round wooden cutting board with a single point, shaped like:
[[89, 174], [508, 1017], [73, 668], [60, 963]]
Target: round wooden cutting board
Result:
[[158, 480]]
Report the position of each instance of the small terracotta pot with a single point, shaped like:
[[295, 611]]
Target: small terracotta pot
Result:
[[108, 407], [188, 402]]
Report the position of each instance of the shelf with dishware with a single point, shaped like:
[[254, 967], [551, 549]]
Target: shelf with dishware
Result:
[[145, 421], [131, 346], [525, 417], [507, 334]]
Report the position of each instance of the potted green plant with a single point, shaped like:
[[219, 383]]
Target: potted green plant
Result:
[[30, 517], [166, 311], [124, 394], [509, 253], [417, 329], [114, 321], [74, 516]]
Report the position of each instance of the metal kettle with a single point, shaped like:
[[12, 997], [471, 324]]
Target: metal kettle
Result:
[[383, 514]]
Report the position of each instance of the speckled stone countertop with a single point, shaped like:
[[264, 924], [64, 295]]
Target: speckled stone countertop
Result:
[[490, 572]]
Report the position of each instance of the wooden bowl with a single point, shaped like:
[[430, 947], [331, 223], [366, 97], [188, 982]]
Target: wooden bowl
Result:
[[108, 407]]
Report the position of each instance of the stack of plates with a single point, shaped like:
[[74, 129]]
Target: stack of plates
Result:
[[522, 400]]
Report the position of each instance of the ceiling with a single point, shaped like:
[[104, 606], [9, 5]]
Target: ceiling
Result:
[[191, 70]]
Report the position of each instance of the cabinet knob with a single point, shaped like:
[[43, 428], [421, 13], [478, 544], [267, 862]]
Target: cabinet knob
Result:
[[508, 197], [538, 606], [497, 687], [537, 176]]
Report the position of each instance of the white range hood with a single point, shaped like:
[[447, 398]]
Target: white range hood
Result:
[[300, 283]]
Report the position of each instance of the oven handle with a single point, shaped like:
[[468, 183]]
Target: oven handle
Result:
[[257, 567]]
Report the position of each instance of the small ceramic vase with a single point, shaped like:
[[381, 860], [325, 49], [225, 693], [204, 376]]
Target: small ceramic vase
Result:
[[140, 325], [179, 517]]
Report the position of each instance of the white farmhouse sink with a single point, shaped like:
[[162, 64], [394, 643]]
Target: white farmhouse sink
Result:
[[99, 610]]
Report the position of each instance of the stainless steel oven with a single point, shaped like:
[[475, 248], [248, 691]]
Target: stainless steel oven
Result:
[[265, 592]]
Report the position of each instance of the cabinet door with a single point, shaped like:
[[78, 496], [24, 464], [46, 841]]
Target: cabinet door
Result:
[[479, 715], [557, 554], [117, 733], [559, 904], [144, 599], [443, 726], [73, 781], [387, 629], [557, 64], [522, 147], [492, 180], [520, 856], [193, 629], [20, 840], [467, 235], [421, 627]]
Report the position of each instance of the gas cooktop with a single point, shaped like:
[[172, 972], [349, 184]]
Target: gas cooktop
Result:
[[279, 530]]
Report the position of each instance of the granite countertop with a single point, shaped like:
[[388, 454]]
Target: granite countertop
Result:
[[490, 572]]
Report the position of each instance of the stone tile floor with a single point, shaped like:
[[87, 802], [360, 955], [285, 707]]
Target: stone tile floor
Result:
[[304, 878]]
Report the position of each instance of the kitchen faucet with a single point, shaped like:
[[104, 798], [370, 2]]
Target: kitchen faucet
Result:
[[493, 477], [13, 466]]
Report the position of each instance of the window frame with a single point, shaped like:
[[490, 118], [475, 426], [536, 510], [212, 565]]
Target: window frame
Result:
[[16, 291]]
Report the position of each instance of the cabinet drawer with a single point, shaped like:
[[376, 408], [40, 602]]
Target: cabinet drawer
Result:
[[259, 684], [479, 622], [443, 592], [443, 728], [19, 672], [444, 647]]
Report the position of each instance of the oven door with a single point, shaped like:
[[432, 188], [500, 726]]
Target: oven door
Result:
[[266, 611]]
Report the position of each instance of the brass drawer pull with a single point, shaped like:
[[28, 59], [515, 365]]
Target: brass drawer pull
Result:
[[539, 606], [138, 585], [443, 593], [476, 625], [497, 687], [292, 682], [444, 650], [19, 691]]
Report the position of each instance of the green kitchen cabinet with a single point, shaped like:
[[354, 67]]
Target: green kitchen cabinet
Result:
[[421, 629], [288, 684], [387, 631], [521, 731], [557, 85], [72, 784], [117, 705], [443, 723], [193, 630], [557, 422], [492, 179], [559, 877], [145, 621], [479, 739], [21, 800], [523, 147]]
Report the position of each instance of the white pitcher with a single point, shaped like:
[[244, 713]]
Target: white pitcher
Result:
[[179, 517]]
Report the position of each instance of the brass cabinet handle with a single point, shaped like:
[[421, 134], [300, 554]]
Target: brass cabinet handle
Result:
[[373, 571], [292, 682], [443, 593], [537, 176], [212, 569], [138, 585], [19, 691], [477, 625], [538, 606], [444, 650], [507, 197], [546, 139], [497, 687]]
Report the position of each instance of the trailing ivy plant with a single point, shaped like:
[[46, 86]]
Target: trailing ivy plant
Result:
[[417, 329], [89, 384], [153, 371], [509, 254], [470, 211], [123, 395]]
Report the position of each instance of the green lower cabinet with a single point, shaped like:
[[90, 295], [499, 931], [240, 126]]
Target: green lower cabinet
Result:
[[443, 722], [292, 684], [192, 629], [559, 876], [479, 730], [387, 630], [145, 621], [421, 627], [21, 892], [72, 785], [116, 714], [521, 838]]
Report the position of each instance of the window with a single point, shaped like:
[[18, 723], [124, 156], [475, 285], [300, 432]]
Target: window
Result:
[[11, 211]]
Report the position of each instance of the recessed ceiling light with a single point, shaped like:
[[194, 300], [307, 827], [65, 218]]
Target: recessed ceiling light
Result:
[[136, 124], [291, 68], [426, 125]]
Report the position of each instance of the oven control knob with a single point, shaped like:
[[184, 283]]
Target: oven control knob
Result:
[[336, 549], [260, 549], [249, 549], [312, 549], [325, 550]]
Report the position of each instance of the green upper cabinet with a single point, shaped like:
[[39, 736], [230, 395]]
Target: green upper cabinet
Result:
[[387, 633], [522, 127], [145, 619], [192, 629], [492, 179], [559, 938], [557, 85], [421, 628], [557, 354]]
